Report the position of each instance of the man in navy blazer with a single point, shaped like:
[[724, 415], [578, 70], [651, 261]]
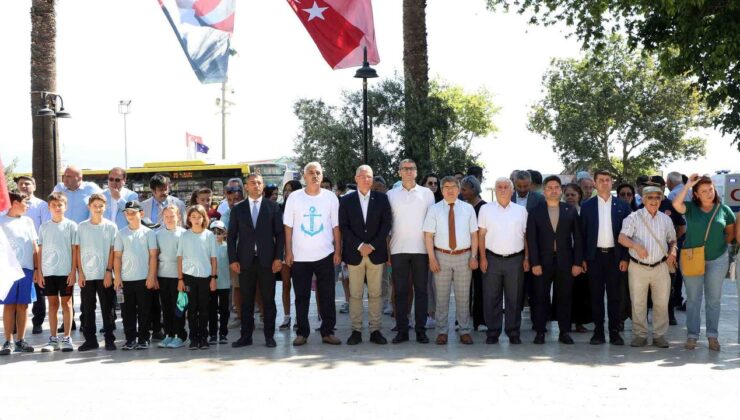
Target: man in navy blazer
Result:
[[365, 221], [255, 244], [555, 255], [601, 222]]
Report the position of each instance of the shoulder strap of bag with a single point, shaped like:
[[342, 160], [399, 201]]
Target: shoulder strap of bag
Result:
[[660, 243], [709, 225]]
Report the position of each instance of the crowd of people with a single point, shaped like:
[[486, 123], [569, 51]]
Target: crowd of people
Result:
[[557, 249]]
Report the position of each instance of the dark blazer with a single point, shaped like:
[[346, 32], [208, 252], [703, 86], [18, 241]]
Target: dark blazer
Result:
[[533, 200], [374, 231], [269, 234], [567, 237], [590, 226]]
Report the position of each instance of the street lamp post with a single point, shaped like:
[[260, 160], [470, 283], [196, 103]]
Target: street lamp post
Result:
[[124, 108], [365, 72], [52, 106]]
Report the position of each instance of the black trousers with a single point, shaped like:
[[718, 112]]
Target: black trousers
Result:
[[476, 298], [581, 308], [541, 306], [136, 307], [199, 293], [503, 287], [173, 325], [416, 266], [39, 307], [218, 312], [604, 275], [677, 279], [302, 274], [258, 276], [155, 318], [88, 305]]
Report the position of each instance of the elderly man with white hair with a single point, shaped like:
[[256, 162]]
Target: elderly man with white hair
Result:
[[503, 260], [312, 247]]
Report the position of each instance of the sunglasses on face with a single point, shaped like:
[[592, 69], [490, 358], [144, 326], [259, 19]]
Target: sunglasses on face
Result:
[[430, 183], [625, 194], [111, 179]]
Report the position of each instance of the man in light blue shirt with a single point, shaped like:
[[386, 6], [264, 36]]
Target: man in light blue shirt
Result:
[[116, 196], [78, 193]]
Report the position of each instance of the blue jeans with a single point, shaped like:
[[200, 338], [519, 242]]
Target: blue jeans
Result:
[[710, 284]]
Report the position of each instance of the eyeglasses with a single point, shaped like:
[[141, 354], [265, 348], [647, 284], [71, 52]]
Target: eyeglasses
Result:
[[111, 179], [408, 168], [652, 197]]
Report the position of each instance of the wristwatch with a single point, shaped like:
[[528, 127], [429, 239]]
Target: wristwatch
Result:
[[214, 276]]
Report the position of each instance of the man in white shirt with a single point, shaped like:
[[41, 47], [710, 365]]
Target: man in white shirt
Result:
[[503, 260], [159, 185], [116, 196], [78, 193], [313, 247], [450, 234], [409, 204]]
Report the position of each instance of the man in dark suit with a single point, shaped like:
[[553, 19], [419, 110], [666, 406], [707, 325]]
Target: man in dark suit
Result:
[[365, 221], [555, 255], [256, 241], [601, 222]]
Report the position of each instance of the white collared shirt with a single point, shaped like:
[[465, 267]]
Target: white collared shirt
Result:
[[409, 210], [605, 239], [436, 222], [364, 202], [505, 227]]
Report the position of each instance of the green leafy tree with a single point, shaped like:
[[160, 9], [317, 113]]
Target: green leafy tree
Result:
[[9, 175], [612, 109], [699, 39]]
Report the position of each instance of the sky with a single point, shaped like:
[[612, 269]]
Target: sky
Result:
[[127, 51]]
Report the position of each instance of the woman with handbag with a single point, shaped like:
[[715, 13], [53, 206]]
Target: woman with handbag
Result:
[[710, 226]]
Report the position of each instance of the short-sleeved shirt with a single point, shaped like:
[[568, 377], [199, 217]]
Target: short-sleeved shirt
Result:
[[56, 240], [196, 250], [635, 227], [696, 227], [167, 241], [77, 209], [21, 234], [505, 227], [409, 209], [222, 262], [95, 242], [38, 211], [134, 246], [437, 222], [313, 218]]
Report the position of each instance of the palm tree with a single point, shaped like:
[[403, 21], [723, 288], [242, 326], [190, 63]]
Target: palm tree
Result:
[[45, 161], [417, 134]]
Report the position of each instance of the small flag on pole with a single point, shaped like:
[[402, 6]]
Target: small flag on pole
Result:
[[195, 143]]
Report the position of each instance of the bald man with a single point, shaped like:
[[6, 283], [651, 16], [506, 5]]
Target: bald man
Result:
[[78, 192]]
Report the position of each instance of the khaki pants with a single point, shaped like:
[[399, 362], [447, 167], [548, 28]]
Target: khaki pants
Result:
[[658, 281], [357, 275]]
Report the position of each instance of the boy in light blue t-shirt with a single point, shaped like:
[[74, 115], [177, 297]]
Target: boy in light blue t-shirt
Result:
[[218, 307]]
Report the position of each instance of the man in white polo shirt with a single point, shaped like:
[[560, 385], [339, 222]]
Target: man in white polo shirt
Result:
[[503, 261], [313, 247], [409, 203]]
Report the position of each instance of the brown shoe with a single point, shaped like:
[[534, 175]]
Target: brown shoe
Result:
[[331, 339], [299, 340], [466, 339], [441, 339], [713, 344], [690, 344]]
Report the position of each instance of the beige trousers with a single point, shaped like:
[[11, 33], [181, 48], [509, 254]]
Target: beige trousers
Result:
[[357, 275], [658, 281]]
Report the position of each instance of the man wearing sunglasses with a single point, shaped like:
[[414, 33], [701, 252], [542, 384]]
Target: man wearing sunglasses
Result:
[[116, 196]]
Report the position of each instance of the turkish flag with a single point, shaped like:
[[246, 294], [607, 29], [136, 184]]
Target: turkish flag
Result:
[[340, 29], [4, 197]]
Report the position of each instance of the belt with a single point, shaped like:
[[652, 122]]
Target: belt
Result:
[[649, 265], [605, 250], [456, 252], [516, 254]]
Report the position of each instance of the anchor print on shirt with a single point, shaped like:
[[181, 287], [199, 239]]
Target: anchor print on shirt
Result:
[[311, 223]]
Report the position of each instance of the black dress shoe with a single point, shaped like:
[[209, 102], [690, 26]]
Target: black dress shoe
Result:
[[565, 338], [270, 342], [597, 339], [354, 338], [242, 342], [539, 338], [491, 340], [515, 340], [421, 337], [37, 329], [377, 338], [616, 339], [400, 338]]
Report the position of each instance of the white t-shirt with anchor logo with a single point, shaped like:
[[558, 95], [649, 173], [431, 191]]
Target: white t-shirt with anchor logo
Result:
[[312, 218]]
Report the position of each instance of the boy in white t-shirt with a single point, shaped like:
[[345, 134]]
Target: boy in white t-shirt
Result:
[[313, 247]]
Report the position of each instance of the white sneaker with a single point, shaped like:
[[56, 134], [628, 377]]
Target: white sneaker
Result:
[[51, 346], [163, 344], [236, 323], [431, 323], [66, 344], [286, 323], [344, 309]]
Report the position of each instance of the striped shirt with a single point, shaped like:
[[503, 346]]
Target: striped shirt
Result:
[[635, 227]]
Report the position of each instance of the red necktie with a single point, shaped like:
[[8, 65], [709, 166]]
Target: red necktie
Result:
[[451, 227]]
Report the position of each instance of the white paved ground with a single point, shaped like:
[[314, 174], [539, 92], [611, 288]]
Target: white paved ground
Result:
[[410, 380]]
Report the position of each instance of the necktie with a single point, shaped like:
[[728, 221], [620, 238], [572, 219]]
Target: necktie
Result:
[[451, 227], [254, 213]]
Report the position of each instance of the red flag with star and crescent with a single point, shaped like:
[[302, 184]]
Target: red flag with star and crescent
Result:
[[340, 29]]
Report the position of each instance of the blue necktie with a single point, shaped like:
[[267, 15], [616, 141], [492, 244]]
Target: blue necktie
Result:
[[254, 213]]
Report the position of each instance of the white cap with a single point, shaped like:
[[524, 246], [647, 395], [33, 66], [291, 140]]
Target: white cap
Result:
[[217, 224]]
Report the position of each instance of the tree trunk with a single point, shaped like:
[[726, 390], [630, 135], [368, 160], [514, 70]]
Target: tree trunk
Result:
[[417, 135], [46, 159]]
